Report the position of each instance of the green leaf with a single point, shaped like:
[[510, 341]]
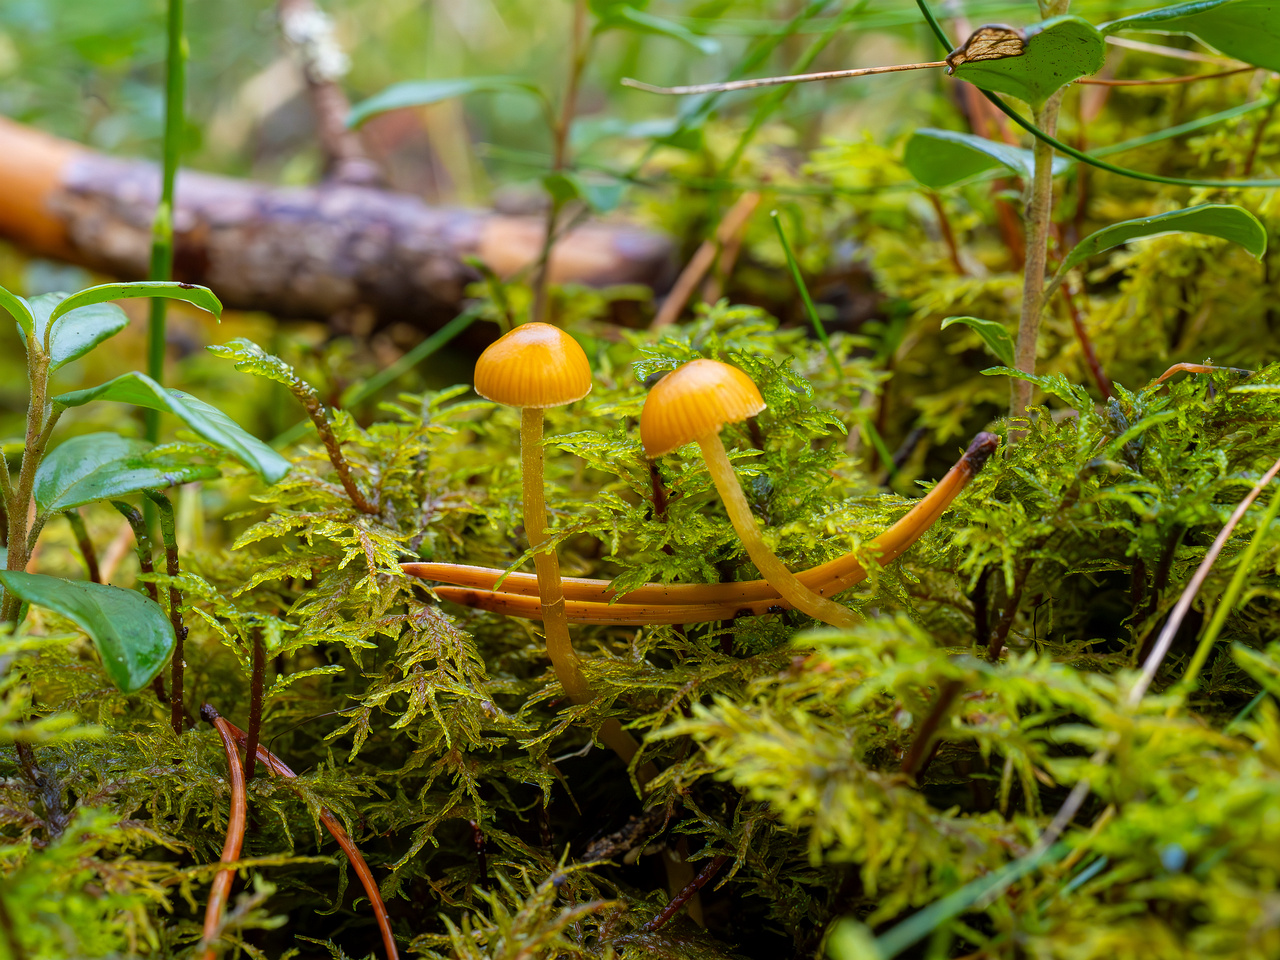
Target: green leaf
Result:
[[1247, 30], [942, 158], [602, 196], [625, 15], [993, 334], [1056, 52], [420, 93], [131, 632], [77, 332], [1223, 220], [561, 187], [201, 297], [208, 422], [19, 309], [98, 466]]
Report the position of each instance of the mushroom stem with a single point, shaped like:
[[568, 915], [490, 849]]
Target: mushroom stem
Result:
[[770, 567], [555, 624]]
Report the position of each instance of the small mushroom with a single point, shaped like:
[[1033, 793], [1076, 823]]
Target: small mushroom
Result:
[[533, 367], [692, 405]]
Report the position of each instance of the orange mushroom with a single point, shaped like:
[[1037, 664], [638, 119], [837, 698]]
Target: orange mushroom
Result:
[[692, 405], [533, 367]]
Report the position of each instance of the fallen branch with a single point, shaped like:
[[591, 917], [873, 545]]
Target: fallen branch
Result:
[[306, 252]]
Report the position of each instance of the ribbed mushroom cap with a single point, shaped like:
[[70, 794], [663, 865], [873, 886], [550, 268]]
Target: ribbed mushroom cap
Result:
[[697, 399], [534, 365]]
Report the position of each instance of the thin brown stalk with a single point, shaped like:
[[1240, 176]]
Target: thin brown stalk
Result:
[[687, 894], [177, 713], [731, 226], [578, 50], [220, 891], [913, 762], [310, 400], [1258, 133], [85, 544], [331, 823], [1086, 344], [948, 235], [779, 81], [1160, 81], [255, 706]]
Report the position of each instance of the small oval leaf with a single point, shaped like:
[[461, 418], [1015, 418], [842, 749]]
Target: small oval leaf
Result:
[[201, 297], [131, 632], [98, 466], [1223, 220], [77, 331], [993, 334], [208, 422], [1056, 52], [19, 309]]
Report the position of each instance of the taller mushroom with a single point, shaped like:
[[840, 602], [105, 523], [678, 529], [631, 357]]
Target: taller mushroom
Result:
[[692, 405], [533, 367]]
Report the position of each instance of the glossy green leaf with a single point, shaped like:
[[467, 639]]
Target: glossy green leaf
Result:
[[1248, 30], [420, 93], [131, 632], [76, 332], [98, 466], [201, 297], [1056, 52], [248, 357], [208, 422], [943, 158], [1223, 220], [993, 334], [19, 309]]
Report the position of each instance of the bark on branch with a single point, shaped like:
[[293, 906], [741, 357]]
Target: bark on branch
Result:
[[300, 252]]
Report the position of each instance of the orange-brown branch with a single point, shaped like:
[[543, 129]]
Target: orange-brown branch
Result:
[[594, 601]]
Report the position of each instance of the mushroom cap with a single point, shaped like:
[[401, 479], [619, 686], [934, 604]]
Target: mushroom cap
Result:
[[697, 399], [534, 365]]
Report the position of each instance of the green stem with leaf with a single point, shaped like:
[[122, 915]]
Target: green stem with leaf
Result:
[[162, 229], [18, 499]]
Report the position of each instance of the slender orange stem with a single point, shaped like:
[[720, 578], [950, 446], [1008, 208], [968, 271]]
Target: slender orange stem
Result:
[[221, 889]]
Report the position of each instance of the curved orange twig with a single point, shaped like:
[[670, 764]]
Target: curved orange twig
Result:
[[221, 889], [594, 601], [339, 833]]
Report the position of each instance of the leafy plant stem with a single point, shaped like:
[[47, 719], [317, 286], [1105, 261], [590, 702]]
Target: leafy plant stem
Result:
[[146, 564], [310, 401], [1033, 288], [162, 228], [220, 891], [1258, 134], [579, 50], [85, 544], [19, 506], [687, 894], [177, 716], [819, 330], [1232, 594], [255, 705]]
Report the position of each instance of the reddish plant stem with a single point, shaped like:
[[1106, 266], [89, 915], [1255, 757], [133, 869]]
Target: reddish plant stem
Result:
[[311, 402], [331, 823], [948, 235], [1086, 344], [1261, 129], [685, 895], [913, 763], [85, 544], [221, 889], [142, 542], [255, 706]]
